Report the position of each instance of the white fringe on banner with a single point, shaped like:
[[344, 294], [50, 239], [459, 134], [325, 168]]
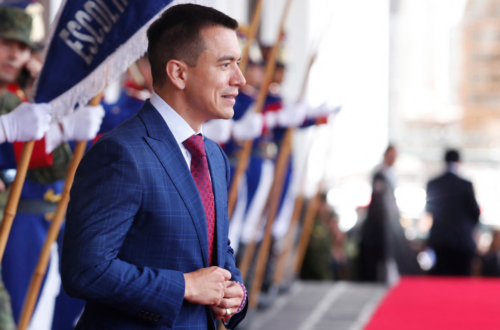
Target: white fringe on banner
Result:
[[109, 70]]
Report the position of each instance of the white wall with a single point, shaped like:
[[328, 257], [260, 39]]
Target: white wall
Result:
[[297, 40], [352, 69]]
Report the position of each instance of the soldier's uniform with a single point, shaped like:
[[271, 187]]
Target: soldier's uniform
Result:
[[15, 24], [128, 104], [39, 197], [8, 101]]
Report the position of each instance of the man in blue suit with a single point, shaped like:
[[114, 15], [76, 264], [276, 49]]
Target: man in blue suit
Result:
[[146, 242]]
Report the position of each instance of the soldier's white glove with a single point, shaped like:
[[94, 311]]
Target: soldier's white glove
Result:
[[249, 127], [322, 111], [81, 125], [292, 115], [218, 130], [27, 122]]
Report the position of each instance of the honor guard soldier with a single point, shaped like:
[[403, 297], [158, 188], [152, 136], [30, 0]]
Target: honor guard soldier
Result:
[[48, 165], [18, 122], [137, 87]]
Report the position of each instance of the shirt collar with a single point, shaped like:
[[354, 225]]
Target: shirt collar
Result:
[[178, 126], [452, 167]]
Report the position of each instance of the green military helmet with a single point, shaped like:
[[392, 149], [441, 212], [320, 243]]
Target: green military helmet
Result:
[[15, 24]]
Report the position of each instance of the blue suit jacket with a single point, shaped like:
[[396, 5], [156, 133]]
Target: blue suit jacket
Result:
[[136, 223]]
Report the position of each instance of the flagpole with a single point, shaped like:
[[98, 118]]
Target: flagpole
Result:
[[55, 227], [259, 105], [252, 31], [292, 229], [312, 210], [282, 165], [14, 195]]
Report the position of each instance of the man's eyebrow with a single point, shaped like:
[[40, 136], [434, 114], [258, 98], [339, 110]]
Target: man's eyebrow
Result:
[[227, 58]]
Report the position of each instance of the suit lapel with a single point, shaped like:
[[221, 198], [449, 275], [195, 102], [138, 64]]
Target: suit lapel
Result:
[[164, 145], [218, 187]]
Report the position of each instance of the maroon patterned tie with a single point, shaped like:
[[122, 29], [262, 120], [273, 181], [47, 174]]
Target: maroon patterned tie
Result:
[[199, 171]]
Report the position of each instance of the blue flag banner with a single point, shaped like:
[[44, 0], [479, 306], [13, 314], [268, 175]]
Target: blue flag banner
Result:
[[90, 44]]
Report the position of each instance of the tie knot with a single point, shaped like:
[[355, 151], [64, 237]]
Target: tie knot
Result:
[[195, 146]]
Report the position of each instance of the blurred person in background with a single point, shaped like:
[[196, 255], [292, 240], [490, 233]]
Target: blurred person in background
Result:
[[318, 261], [453, 206], [384, 250], [490, 262], [136, 88], [325, 258]]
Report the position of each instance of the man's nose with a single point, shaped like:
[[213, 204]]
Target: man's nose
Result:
[[238, 79]]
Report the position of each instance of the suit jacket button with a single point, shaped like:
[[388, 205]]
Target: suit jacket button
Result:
[[157, 318], [140, 313]]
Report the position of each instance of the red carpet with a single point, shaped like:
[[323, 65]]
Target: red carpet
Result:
[[429, 303]]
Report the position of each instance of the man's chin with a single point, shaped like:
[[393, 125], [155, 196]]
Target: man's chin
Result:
[[227, 113]]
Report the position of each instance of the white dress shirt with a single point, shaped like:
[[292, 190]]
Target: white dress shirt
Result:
[[178, 126]]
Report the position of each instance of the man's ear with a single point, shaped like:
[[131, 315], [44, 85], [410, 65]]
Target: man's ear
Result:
[[176, 71]]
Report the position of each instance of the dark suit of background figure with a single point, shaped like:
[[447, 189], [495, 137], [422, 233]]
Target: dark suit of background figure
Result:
[[373, 244], [451, 201], [136, 223], [382, 237]]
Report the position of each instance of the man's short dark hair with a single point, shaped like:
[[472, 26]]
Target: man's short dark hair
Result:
[[176, 35], [452, 155]]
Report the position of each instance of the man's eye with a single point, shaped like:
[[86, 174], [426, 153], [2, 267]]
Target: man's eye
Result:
[[226, 65]]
